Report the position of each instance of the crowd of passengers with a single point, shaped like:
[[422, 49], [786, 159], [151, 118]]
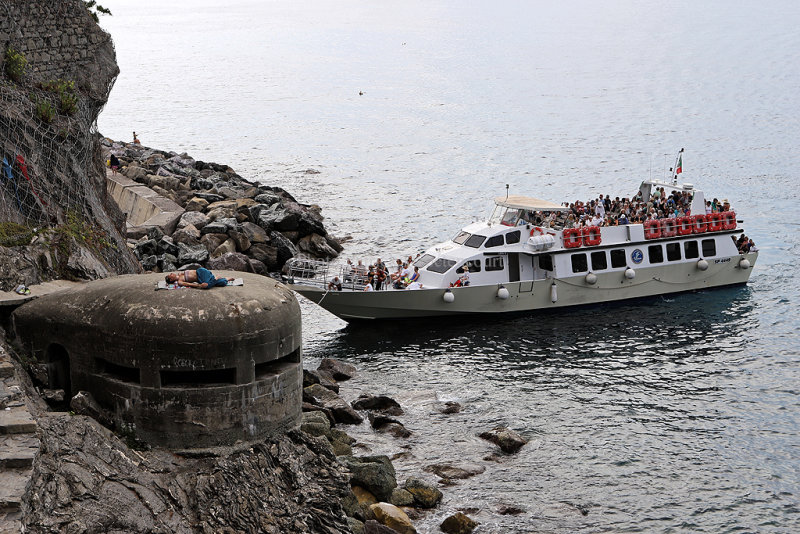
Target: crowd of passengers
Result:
[[605, 211], [378, 276]]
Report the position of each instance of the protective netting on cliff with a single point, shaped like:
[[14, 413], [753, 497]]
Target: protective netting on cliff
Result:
[[47, 124]]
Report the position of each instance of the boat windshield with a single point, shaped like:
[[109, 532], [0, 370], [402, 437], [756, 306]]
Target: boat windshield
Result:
[[423, 261], [441, 265], [461, 237], [510, 217], [469, 240]]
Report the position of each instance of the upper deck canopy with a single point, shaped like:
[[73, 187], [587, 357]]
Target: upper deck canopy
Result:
[[528, 203]]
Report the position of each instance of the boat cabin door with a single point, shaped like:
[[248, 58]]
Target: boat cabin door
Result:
[[513, 267]]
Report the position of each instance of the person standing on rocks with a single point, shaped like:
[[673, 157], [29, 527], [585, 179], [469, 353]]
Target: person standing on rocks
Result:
[[136, 139], [114, 163]]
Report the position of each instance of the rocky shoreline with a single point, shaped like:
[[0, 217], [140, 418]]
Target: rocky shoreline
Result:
[[230, 223]]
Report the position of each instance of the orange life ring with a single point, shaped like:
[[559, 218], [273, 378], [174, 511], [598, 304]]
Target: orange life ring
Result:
[[714, 222], [699, 224], [684, 225], [536, 229], [652, 229], [572, 237], [591, 236], [669, 228], [728, 220]]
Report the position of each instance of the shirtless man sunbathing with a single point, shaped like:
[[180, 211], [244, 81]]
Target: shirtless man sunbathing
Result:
[[202, 278]]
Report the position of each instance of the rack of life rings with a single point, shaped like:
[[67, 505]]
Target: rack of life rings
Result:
[[658, 228]]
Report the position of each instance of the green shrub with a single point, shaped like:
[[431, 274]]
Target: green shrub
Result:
[[45, 111], [13, 234], [67, 99], [15, 64]]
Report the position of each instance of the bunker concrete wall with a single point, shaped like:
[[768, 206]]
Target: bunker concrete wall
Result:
[[144, 207], [184, 368]]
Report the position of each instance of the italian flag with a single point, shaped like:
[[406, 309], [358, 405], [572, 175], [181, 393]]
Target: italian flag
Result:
[[679, 168]]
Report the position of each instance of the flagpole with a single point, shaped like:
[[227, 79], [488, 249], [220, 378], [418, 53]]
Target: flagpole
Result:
[[675, 168]]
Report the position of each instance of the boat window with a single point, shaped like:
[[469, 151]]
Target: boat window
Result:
[[510, 217], [441, 265], [599, 261], [673, 251], [512, 237], [690, 250], [655, 253], [579, 264], [475, 241], [546, 262], [461, 237], [709, 247], [494, 263], [474, 266], [618, 258], [423, 261], [495, 241]]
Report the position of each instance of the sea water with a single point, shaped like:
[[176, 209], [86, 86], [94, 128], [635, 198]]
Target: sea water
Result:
[[403, 120]]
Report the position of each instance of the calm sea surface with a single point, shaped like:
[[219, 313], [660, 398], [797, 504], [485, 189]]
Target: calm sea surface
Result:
[[679, 414]]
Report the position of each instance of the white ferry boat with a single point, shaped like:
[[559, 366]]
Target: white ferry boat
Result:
[[516, 265]]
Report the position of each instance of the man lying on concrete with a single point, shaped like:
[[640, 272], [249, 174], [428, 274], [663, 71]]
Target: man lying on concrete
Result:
[[202, 278]]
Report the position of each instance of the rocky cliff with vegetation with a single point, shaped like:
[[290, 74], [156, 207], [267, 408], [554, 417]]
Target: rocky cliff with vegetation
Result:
[[58, 67]]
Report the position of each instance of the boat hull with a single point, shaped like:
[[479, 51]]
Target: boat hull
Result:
[[531, 295]]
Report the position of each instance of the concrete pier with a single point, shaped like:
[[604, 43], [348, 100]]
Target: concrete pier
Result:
[[183, 368]]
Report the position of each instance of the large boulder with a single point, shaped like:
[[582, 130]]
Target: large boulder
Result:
[[191, 254], [374, 473], [381, 403], [231, 261], [213, 241], [254, 233], [339, 370], [195, 218], [321, 396], [317, 246], [392, 517], [286, 249]]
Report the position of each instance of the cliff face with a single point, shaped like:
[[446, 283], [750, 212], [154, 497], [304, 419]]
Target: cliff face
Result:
[[58, 69]]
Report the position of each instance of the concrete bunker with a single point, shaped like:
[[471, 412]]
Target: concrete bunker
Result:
[[182, 368]]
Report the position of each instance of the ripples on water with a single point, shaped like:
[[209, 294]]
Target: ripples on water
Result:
[[672, 414]]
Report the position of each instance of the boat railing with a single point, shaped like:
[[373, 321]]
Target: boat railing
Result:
[[320, 273]]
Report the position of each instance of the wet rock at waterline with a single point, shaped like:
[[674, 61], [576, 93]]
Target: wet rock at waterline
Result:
[[458, 523], [381, 403], [338, 370], [508, 440], [321, 396]]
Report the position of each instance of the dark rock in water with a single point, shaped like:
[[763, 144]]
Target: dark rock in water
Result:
[[321, 396], [195, 254], [458, 523], [308, 407], [508, 440], [373, 527], [506, 509], [449, 407], [339, 370], [388, 425], [289, 483], [334, 243], [425, 494], [382, 403], [374, 473], [314, 377], [401, 497], [231, 261], [450, 471], [268, 199]]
